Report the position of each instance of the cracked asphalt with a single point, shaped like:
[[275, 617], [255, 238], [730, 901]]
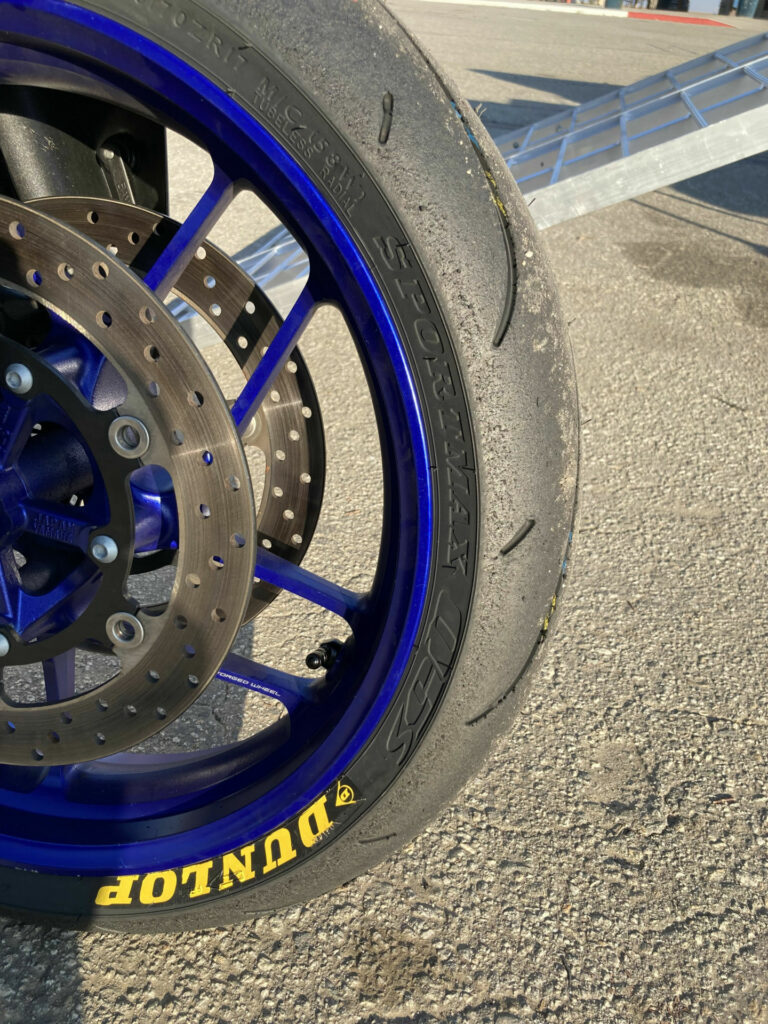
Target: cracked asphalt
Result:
[[608, 864]]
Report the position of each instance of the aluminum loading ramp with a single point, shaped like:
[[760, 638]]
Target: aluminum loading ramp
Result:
[[693, 118]]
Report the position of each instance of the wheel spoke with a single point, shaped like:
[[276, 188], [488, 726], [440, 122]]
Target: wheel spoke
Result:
[[273, 360], [15, 425], [178, 253], [10, 586], [57, 522], [284, 574], [290, 690], [59, 675]]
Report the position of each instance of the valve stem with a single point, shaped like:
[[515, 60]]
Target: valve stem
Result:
[[325, 655]]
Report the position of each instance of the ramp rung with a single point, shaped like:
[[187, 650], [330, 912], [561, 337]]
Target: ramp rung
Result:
[[597, 153]]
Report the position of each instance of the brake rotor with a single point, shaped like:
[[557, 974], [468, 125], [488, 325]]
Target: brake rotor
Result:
[[288, 427], [166, 659]]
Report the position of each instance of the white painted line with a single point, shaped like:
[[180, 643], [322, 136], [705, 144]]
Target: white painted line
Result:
[[524, 5]]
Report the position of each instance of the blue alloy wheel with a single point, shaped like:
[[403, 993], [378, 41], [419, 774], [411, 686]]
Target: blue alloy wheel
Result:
[[167, 494]]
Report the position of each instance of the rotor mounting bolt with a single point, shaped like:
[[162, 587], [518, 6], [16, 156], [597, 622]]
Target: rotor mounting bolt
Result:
[[18, 378], [253, 428], [104, 549], [4, 645], [125, 630], [129, 437]]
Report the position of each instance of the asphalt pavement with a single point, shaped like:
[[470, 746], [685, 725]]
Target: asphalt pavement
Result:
[[608, 864]]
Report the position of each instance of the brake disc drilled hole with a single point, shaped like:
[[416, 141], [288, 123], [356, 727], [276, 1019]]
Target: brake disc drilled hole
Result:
[[103, 318], [101, 270], [16, 230], [195, 398], [92, 217], [218, 615], [66, 272], [205, 511], [147, 315], [151, 353], [34, 278], [216, 562]]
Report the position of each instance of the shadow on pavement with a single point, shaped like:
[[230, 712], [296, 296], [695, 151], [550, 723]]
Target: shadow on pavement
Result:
[[738, 187], [523, 111]]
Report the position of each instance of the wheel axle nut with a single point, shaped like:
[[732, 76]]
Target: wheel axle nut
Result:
[[4, 645], [18, 378], [104, 549]]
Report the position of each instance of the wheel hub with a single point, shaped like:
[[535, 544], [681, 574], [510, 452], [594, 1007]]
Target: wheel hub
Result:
[[288, 428], [167, 655]]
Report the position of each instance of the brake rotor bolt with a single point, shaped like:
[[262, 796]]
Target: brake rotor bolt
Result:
[[4, 645], [253, 428], [104, 549], [125, 630], [129, 437], [18, 378]]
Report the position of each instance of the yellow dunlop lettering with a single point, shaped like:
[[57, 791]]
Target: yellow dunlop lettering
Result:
[[116, 895], [286, 852], [167, 880], [314, 822], [241, 869], [201, 873]]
